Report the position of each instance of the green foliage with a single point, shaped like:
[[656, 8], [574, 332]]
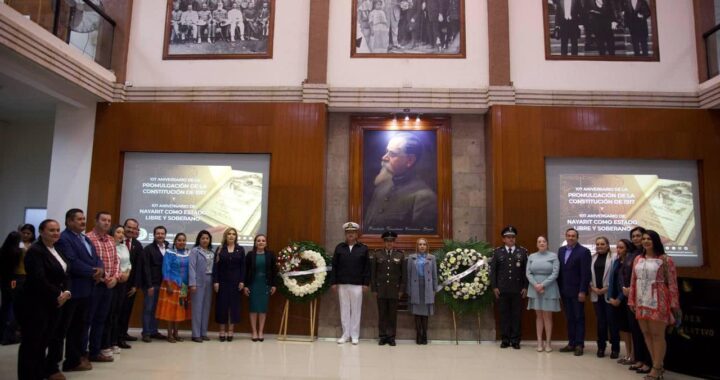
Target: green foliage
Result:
[[460, 306], [306, 265]]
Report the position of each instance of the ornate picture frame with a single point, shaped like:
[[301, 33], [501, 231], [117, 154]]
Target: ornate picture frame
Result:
[[401, 179]]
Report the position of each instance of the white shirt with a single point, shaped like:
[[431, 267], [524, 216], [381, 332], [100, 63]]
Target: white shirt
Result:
[[161, 247], [58, 258], [235, 15], [634, 3], [568, 9], [509, 248]]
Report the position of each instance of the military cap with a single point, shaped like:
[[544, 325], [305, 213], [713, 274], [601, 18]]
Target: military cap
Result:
[[509, 231], [389, 235], [351, 226]]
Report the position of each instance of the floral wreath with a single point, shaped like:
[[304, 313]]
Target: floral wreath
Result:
[[464, 277], [303, 267]]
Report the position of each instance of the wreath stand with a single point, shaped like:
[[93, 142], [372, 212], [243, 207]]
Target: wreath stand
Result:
[[455, 327], [282, 334]]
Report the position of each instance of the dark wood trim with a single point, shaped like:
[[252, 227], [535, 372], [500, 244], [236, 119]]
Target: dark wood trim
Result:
[[440, 124], [121, 12], [655, 57], [704, 13], [355, 54], [168, 27], [318, 41], [499, 42]]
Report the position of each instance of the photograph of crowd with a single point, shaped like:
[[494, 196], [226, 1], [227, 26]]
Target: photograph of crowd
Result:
[[601, 29], [209, 29], [390, 28]]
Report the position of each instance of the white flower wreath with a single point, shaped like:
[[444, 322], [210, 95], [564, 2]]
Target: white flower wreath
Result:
[[318, 277], [462, 287]]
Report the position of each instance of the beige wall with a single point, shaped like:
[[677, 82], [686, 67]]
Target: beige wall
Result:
[[469, 220]]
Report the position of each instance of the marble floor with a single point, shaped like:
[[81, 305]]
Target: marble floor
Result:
[[243, 359]]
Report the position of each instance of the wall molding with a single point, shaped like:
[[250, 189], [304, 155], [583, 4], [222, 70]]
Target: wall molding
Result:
[[709, 96]]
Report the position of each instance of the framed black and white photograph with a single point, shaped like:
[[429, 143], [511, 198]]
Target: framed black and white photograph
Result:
[[219, 29], [408, 29], [603, 30]]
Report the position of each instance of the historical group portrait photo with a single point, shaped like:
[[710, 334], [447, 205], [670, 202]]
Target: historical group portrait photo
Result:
[[420, 28], [601, 29], [217, 29]]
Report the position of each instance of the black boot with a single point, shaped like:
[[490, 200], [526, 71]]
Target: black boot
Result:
[[418, 329], [424, 329]]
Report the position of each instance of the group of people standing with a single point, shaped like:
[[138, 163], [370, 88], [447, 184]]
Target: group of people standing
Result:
[[193, 20], [633, 291], [597, 21], [72, 293], [387, 25]]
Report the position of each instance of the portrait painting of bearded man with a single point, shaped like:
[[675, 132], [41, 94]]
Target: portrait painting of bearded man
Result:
[[400, 182]]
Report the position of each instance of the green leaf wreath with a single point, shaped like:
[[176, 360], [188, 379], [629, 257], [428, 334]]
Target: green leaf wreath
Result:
[[472, 293], [295, 258]]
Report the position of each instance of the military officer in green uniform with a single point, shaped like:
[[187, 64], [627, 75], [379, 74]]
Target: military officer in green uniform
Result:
[[509, 283], [387, 280]]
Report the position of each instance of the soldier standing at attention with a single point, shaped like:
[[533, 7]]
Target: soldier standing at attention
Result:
[[387, 280], [507, 275]]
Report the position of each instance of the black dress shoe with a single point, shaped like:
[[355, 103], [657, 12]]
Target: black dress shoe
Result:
[[504, 345], [206, 338], [158, 336], [614, 355], [124, 345], [601, 353], [197, 340], [579, 351], [391, 342], [382, 341], [567, 348], [146, 339], [129, 338], [516, 346]]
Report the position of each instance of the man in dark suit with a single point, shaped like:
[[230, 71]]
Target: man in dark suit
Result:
[[152, 260], [132, 228], [86, 269], [602, 23], [574, 280], [567, 18], [509, 283], [636, 13]]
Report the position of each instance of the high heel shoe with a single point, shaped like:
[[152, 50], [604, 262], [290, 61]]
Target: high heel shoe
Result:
[[222, 337], [230, 337], [548, 347], [659, 374], [540, 347]]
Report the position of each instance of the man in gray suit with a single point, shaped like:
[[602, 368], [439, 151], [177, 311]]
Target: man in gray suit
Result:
[[401, 200]]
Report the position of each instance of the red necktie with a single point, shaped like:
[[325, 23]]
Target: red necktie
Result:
[[127, 242]]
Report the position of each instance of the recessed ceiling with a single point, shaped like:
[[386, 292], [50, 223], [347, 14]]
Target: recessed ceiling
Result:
[[23, 104]]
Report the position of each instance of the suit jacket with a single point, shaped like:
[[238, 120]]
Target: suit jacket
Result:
[[609, 260], [507, 271], [387, 273], [575, 274], [82, 265], [198, 268], [575, 13], [271, 270], [350, 267], [430, 276], [45, 279], [136, 256], [401, 202], [152, 265], [636, 17]]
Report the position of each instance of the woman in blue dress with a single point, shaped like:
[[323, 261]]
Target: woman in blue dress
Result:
[[543, 268], [260, 273]]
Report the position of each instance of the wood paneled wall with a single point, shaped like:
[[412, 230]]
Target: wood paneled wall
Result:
[[293, 134], [519, 139]]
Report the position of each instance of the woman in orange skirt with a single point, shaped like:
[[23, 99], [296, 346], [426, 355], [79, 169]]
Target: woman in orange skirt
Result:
[[173, 303]]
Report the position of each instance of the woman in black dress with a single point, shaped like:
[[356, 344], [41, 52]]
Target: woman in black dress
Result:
[[228, 281]]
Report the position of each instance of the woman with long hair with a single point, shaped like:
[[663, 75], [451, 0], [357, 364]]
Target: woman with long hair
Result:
[[200, 279], [618, 300], [260, 273], [421, 285], [642, 361], [228, 282], [173, 301], [654, 298], [542, 271]]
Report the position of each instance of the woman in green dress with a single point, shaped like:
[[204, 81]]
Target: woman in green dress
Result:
[[261, 270]]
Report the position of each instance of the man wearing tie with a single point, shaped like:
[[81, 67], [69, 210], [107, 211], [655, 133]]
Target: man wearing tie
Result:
[[636, 13], [574, 280], [387, 280], [85, 270], [567, 18], [509, 283]]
